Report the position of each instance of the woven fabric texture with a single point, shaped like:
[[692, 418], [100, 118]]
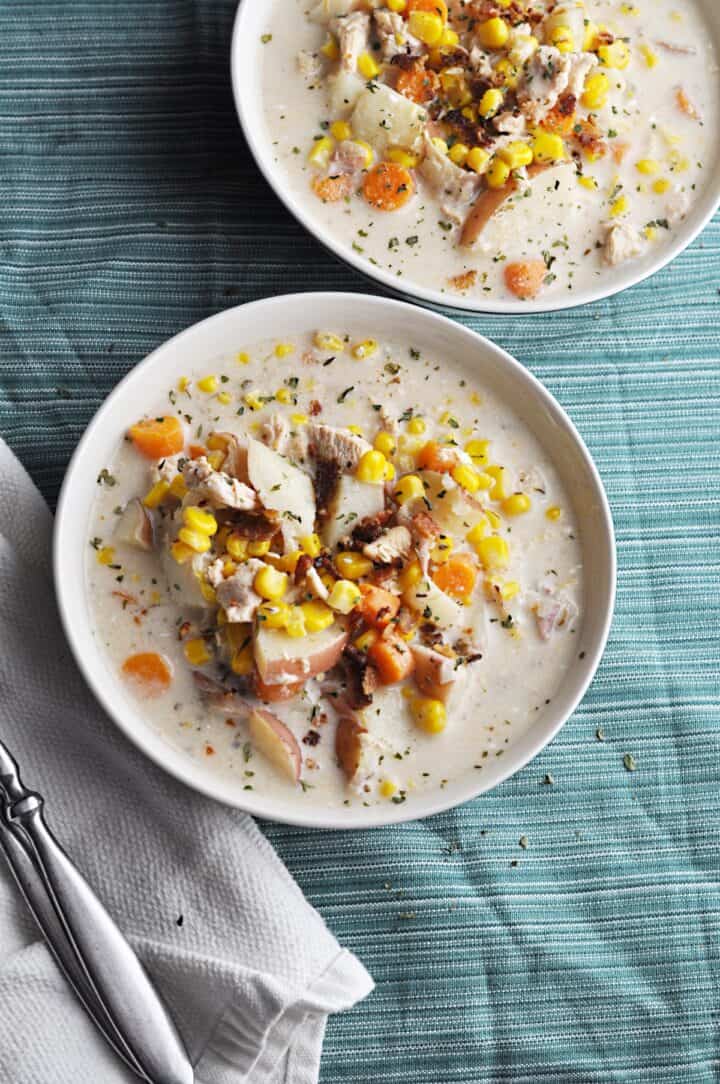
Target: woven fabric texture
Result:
[[130, 208]]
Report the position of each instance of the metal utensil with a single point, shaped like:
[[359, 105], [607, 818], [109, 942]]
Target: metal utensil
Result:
[[89, 948]]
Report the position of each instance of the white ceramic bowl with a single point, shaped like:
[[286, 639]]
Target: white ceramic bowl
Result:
[[246, 54], [485, 364]]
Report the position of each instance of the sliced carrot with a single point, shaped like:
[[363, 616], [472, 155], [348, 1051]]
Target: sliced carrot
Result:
[[158, 437], [524, 278], [685, 104], [333, 189], [457, 576], [149, 673], [271, 694], [438, 7], [417, 83], [392, 658], [388, 186], [433, 456], [378, 607]]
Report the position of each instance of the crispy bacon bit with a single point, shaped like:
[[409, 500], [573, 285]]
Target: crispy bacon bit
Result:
[[370, 529], [463, 282], [588, 136], [305, 563], [361, 677], [315, 408], [424, 526], [311, 738]]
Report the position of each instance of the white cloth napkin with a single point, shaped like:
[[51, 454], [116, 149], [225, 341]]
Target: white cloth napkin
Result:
[[247, 967]]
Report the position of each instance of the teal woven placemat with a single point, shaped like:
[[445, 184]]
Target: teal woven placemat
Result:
[[129, 208]]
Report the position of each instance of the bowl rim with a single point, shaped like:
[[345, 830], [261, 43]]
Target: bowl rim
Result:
[[185, 768], [704, 209]]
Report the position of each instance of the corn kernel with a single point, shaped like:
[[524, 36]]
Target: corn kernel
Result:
[[388, 788], [562, 38], [340, 130], [458, 153], [295, 625], [477, 159], [467, 477], [216, 459], [330, 49], [499, 476], [286, 563], [207, 590], [259, 548], [181, 553], [648, 166], [237, 547], [208, 384], [498, 173], [587, 181], [619, 206], [516, 154], [401, 157], [197, 519], [283, 349], [427, 26], [494, 519], [410, 575], [270, 584], [283, 395], [311, 545], [216, 442], [597, 86], [242, 358], [661, 185], [490, 102], [478, 451], [299, 419], [371, 467], [442, 550], [516, 504], [553, 512], [440, 144], [273, 615], [416, 426], [508, 71], [352, 566], [157, 494], [317, 615], [649, 56], [449, 38], [344, 596], [493, 33], [327, 340], [224, 397], [494, 552], [229, 568], [242, 661], [477, 532], [429, 715], [548, 147], [196, 540], [364, 349], [196, 652], [590, 40], [183, 384], [629, 9], [320, 152], [408, 488], [106, 555], [368, 66], [385, 443], [617, 55], [397, 6], [252, 400], [366, 639]]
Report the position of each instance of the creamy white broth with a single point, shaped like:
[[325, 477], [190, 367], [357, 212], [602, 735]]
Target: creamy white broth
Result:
[[136, 608], [553, 217]]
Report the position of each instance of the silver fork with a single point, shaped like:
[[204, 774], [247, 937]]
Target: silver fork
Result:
[[87, 945]]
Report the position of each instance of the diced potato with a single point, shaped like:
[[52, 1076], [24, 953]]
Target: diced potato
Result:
[[352, 502], [275, 741], [384, 118], [282, 487], [433, 605], [344, 89], [281, 658], [330, 9]]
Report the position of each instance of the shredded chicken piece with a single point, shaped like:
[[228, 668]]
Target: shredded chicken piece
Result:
[[392, 33], [167, 468], [581, 64], [546, 77], [348, 158], [622, 242], [677, 207], [338, 446], [392, 545], [236, 594], [454, 187], [309, 65], [276, 433], [353, 33], [509, 123], [218, 488]]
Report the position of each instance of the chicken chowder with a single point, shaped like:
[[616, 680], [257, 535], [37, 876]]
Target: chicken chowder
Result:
[[336, 566], [511, 148]]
